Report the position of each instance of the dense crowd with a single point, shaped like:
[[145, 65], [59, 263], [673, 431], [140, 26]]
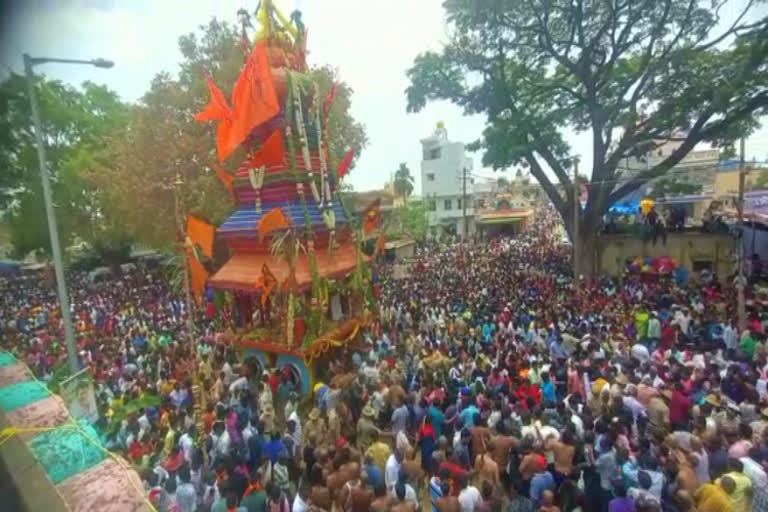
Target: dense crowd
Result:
[[491, 382]]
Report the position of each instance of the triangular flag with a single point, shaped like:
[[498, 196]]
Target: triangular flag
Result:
[[372, 216], [270, 153], [343, 168], [224, 177], [272, 220], [201, 234]]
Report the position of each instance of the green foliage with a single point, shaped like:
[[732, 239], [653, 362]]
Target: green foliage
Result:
[[76, 123], [403, 182], [631, 74], [672, 186], [409, 220]]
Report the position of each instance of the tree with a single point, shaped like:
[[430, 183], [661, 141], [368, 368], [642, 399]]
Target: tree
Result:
[[403, 182], [164, 141], [632, 74], [502, 183], [76, 123], [410, 220], [671, 186]]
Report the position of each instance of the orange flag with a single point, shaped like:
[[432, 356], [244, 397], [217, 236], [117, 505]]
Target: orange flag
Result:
[[372, 216], [272, 220], [201, 234], [343, 168], [381, 243], [268, 281], [253, 102], [218, 110], [270, 153], [225, 178], [197, 275], [253, 97]]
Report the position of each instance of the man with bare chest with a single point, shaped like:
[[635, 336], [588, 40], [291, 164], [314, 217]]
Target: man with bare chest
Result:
[[448, 504], [381, 501], [486, 467], [500, 452]]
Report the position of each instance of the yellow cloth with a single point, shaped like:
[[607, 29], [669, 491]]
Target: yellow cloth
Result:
[[712, 498], [379, 453], [740, 501], [168, 445]]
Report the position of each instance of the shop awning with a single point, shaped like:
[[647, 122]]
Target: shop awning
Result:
[[243, 270]]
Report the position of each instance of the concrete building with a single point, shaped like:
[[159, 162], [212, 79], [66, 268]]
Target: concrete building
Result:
[[447, 185]]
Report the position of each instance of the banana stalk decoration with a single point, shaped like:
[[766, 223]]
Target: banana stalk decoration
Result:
[[329, 214]]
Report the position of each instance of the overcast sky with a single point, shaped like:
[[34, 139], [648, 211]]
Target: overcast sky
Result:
[[372, 42]]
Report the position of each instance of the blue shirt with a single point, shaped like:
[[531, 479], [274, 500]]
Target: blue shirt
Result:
[[375, 477], [273, 449], [437, 421], [548, 390], [400, 419], [540, 483], [434, 492], [468, 416]]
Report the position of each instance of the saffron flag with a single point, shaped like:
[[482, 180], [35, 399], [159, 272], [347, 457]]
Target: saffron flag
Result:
[[343, 168], [270, 153], [253, 102], [372, 216], [197, 275], [224, 177], [272, 220], [328, 101], [268, 282], [200, 234], [218, 110], [253, 98]]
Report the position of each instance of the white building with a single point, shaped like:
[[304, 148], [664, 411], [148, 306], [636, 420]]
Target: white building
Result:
[[447, 185]]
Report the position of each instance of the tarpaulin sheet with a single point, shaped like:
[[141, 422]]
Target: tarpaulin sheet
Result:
[[64, 452], [21, 394], [6, 358]]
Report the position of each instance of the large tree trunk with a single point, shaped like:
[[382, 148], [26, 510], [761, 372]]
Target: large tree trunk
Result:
[[586, 242]]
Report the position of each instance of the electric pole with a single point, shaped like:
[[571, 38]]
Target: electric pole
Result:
[[576, 211], [740, 207], [464, 202]]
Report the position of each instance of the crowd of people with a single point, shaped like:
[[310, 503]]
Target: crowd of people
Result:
[[491, 382]]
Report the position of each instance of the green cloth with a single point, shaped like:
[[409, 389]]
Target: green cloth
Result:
[[748, 346], [255, 502], [6, 359], [66, 452], [641, 324], [22, 394]]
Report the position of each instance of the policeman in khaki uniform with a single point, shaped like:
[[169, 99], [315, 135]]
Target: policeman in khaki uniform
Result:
[[316, 428]]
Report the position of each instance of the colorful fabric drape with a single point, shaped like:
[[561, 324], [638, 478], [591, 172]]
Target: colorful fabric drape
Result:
[[372, 216], [253, 102], [201, 234], [274, 219]]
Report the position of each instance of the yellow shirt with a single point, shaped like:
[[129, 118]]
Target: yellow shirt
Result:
[[712, 498], [379, 452], [740, 502]]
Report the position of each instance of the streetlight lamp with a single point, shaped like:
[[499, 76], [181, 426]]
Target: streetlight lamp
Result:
[[29, 63]]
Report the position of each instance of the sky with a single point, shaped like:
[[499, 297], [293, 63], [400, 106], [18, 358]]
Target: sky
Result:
[[371, 42]]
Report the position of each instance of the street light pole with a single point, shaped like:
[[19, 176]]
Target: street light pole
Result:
[[53, 232], [178, 208]]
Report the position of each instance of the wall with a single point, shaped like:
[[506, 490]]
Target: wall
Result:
[[685, 248]]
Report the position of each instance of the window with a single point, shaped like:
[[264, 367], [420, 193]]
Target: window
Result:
[[431, 176], [447, 204], [458, 205], [432, 205], [432, 154]]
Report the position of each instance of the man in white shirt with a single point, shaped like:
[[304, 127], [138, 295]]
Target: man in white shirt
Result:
[[731, 336], [392, 471], [469, 497]]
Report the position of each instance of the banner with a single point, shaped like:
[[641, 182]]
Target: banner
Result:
[[78, 393]]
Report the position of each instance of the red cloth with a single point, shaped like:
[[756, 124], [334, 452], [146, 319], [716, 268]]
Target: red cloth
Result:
[[456, 472], [679, 408]]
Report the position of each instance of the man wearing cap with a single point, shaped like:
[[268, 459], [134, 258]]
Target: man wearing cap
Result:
[[366, 428], [315, 427]]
